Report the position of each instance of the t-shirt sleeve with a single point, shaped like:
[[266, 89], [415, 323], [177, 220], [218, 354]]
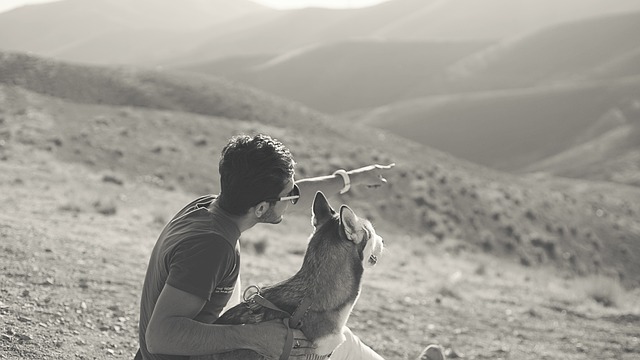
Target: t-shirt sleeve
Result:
[[200, 264]]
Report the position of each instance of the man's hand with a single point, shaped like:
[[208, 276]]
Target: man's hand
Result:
[[370, 176], [272, 339]]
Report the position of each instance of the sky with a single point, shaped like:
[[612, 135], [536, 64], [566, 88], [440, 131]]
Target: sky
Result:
[[6, 5], [288, 4]]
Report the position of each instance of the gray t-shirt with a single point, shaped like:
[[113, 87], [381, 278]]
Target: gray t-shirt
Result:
[[197, 252]]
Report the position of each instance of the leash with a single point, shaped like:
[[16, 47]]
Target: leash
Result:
[[291, 321]]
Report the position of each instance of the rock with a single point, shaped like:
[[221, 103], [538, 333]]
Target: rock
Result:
[[24, 337], [432, 352], [452, 354]]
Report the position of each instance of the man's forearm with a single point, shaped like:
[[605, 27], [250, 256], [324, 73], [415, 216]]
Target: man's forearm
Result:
[[183, 336], [330, 185]]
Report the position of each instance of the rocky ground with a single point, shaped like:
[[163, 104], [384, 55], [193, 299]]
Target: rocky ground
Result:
[[74, 247]]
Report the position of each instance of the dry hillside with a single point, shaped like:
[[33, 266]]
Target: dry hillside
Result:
[[92, 116], [486, 264], [75, 241]]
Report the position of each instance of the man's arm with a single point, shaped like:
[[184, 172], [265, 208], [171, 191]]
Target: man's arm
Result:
[[330, 185], [173, 331]]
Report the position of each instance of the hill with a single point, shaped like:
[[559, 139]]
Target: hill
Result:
[[494, 19], [404, 20], [547, 103], [148, 89], [607, 151], [117, 31], [623, 66], [96, 117], [353, 75], [149, 33], [345, 76], [484, 263], [557, 54], [76, 239], [505, 129]]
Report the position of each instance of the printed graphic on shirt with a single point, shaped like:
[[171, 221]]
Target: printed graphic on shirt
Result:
[[224, 290]]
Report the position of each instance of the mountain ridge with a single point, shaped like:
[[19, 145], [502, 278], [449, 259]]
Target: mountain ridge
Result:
[[535, 122], [251, 29]]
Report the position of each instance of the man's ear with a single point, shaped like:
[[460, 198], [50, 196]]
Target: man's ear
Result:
[[261, 209], [322, 211], [349, 223]]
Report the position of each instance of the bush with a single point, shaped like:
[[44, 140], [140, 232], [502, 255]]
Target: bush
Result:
[[604, 290], [106, 208], [258, 244]]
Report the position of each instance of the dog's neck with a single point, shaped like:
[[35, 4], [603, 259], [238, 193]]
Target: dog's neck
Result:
[[328, 271]]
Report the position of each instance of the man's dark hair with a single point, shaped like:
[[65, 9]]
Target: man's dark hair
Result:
[[252, 169]]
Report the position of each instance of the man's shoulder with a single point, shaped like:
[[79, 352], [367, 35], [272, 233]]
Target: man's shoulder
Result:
[[202, 201], [193, 207]]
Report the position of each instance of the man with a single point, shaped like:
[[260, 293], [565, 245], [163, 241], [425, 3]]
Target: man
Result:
[[193, 269]]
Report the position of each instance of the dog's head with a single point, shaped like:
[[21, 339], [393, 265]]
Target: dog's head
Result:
[[356, 230]]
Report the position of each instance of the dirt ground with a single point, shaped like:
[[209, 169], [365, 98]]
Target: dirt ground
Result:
[[74, 247]]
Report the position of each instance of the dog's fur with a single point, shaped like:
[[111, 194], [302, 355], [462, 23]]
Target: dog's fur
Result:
[[340, 248]]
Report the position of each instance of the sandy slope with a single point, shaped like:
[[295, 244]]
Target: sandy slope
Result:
[[85, 188], [74, 246]]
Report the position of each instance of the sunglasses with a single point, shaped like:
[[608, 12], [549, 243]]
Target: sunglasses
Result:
[[292, 196]]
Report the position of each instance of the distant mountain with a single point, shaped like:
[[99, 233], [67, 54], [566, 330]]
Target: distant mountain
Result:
[[118, 31], [167, 130], [565, 52], [494, 19], [406, 20], [345, 76], [619, 67], [519, 104], [165, 32], [506, 130], [609, 150]]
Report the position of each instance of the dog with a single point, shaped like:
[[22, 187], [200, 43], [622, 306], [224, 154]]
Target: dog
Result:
[[340, 248]]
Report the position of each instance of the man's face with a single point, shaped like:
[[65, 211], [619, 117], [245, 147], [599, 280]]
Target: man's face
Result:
[[275, 214]]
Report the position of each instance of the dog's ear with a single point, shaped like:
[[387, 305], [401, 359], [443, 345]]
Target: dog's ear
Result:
[[322, 211], [349, 224]]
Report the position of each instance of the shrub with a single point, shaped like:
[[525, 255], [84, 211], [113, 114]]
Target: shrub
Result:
[[256, 243], [260, 246], [481, 269], [69, 207], [487, 240], [530, 214], [604, 290], [108, 178], [105, 207], [545, 243], [448, 290], [158, 219]]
